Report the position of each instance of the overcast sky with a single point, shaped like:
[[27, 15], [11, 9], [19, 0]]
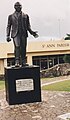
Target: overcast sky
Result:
[[51, 18]]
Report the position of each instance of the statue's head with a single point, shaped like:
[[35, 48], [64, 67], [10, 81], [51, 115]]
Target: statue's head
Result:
[[18, 6]]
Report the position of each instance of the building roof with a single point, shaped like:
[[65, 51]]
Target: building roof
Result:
[[36, 46]]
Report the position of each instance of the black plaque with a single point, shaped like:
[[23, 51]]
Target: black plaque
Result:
[[15, 80]]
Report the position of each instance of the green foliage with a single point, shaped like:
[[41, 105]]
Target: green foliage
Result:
[[60, 86], [66, 58], [68, 118], [67, 37]]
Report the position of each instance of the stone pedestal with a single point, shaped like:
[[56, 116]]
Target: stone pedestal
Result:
[[22, 85]]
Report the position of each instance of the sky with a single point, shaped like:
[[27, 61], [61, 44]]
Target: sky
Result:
[[51, 18]]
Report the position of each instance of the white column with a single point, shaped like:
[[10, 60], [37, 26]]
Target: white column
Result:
[[53, 61], [40, 64], [5, 62], [29, 60], [58, 59], [48, 61]]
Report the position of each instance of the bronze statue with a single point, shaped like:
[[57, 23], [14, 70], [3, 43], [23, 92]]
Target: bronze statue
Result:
[[19, 26]]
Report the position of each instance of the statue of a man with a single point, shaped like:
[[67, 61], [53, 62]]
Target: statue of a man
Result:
[[19, 25]]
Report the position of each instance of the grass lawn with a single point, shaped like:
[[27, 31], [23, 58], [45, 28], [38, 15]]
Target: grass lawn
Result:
[[2, 85], [60, 86]]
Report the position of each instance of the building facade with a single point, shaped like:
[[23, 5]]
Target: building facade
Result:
[[43, 53]]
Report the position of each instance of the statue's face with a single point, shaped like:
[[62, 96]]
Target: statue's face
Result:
[[18, 8]]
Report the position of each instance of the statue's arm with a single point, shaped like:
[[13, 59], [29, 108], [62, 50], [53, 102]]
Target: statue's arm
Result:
[[8, 26], [34, 33]]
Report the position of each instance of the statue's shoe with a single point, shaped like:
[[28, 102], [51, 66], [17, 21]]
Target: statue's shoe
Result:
[[17, 65], [25, 64]]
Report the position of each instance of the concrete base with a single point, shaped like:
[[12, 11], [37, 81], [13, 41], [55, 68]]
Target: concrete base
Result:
[[14, 83]]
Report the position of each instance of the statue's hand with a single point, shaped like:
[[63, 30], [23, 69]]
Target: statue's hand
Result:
[[35, 34], [8, 39]]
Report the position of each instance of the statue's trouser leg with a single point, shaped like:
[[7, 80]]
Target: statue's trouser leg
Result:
[[16, 41], [23, 44]]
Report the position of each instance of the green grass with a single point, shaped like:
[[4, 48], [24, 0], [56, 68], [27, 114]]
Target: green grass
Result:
[[60, 86], [2, 84]]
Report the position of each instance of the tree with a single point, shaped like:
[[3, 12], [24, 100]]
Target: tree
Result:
[[68, 37], [66, 58]]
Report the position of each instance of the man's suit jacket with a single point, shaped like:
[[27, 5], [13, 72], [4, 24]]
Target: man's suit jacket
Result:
[[12, 25]]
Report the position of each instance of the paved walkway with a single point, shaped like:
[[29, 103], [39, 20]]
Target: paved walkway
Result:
[[55, 80], [53, 104], [49, 83]]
